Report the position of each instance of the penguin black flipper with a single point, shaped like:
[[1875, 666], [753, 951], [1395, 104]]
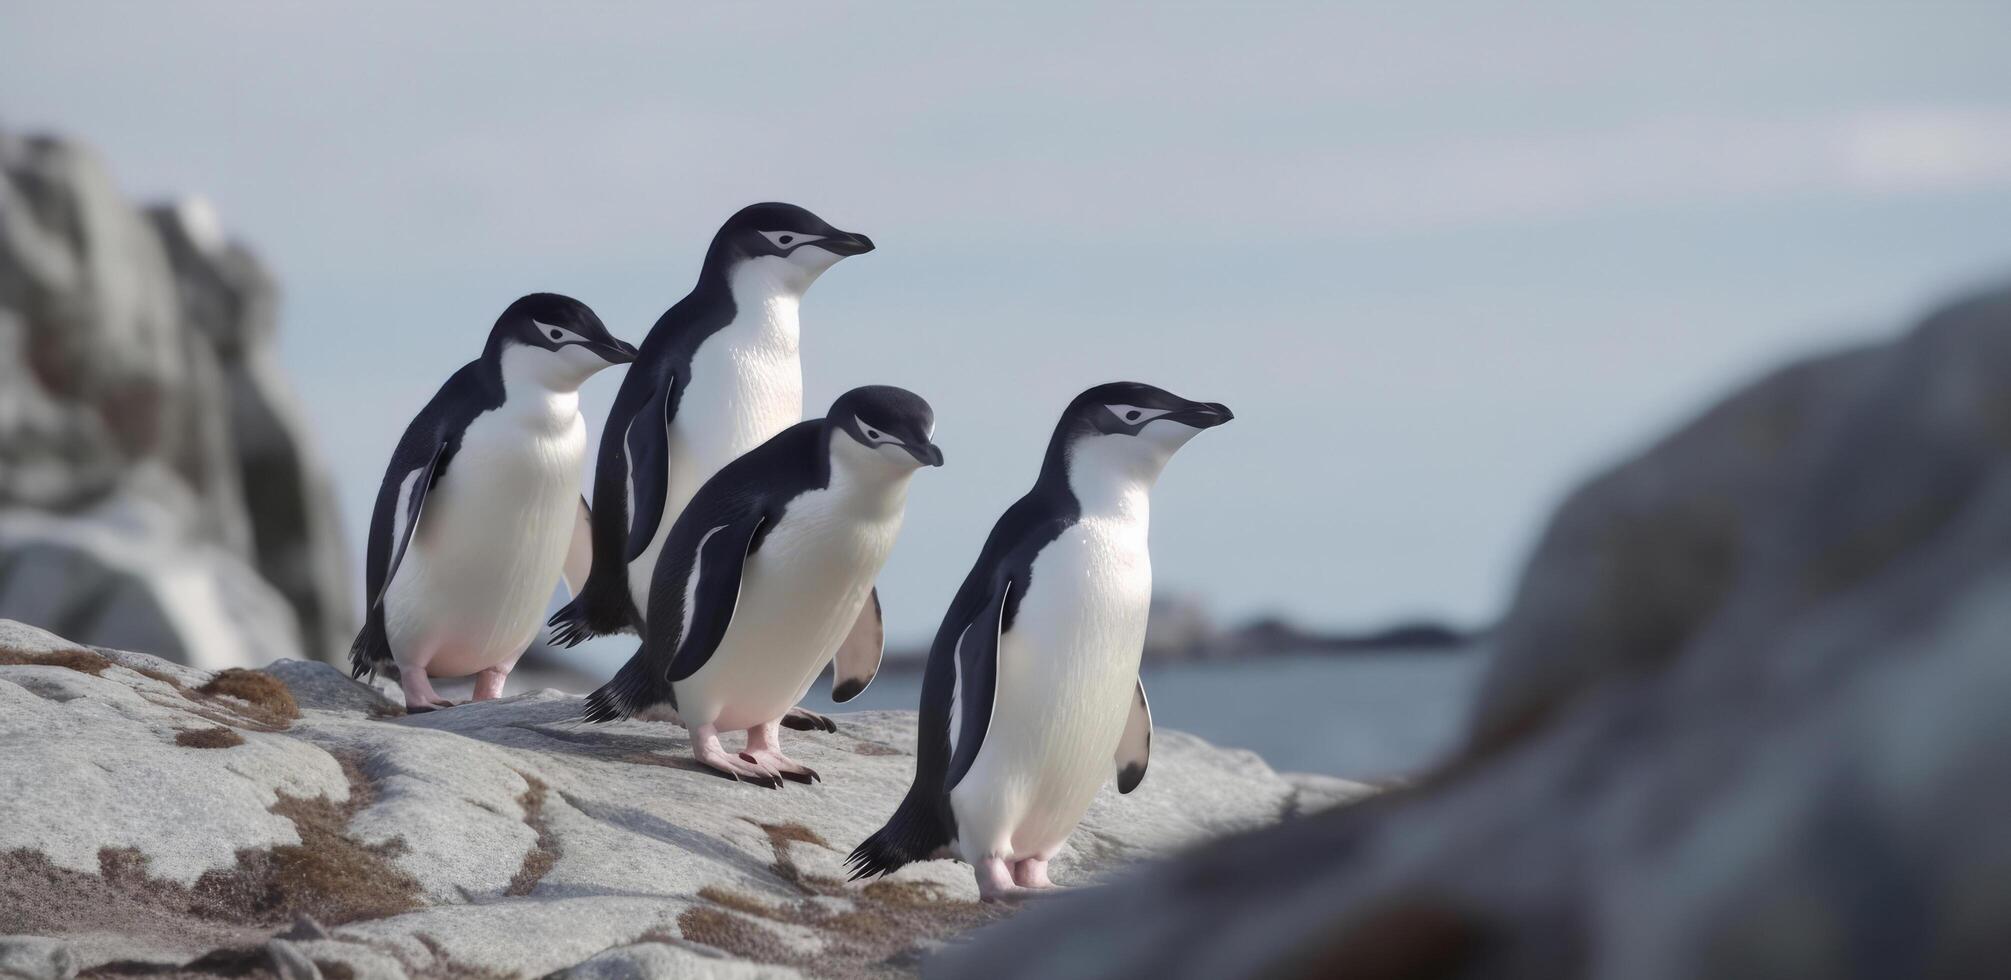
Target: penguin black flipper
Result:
[[858, 659], [976, 689], [713, 571], [1134, 750], [648, 440], [601, 604], [421, 459]]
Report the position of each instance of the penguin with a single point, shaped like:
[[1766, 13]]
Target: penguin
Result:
[[1032, 686], [718, 375], [480, 512], [768, 575]]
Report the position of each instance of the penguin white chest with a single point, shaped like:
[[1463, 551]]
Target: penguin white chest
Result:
[[1066, 672], [746, 385], [491, 539], [799, 596]]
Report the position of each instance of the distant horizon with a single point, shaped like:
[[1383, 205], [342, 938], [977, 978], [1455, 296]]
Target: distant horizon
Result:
[[1443, 267]]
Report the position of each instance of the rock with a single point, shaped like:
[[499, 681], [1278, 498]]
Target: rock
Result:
[[289, 962], [157, 487], [501, 836], [1746, 719], [33, 958]]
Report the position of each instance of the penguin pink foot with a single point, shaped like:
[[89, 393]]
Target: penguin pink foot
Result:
[[419, 694], [995, 881], [706, 749], [489, 683], [764, 749], [1031, 873]]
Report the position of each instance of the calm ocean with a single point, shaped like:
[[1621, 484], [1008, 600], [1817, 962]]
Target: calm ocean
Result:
[[1357, 715]]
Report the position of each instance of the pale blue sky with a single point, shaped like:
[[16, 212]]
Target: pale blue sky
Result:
[[1443, 263]]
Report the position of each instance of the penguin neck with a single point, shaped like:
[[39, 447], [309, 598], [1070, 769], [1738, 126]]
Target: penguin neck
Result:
[[1111, 477], [767, 292], [538, 385], [870, 484]]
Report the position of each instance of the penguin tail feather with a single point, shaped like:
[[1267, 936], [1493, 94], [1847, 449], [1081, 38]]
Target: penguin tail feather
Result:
[[597, 610], [913, 833], [370, 654], [632, 689]]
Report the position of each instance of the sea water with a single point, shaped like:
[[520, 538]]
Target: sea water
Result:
[[1357, 715]]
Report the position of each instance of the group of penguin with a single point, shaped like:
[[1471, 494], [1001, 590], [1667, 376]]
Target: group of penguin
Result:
[[743, 543]]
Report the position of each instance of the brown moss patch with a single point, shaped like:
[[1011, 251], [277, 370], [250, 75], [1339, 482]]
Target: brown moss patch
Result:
[[877, 936], [738, 902], [545, 852], [209, 738], [332, 970], [262, 697], [863, 747], [734, 934], [328, 875], [82, 661], [782, 834], [159, 675]]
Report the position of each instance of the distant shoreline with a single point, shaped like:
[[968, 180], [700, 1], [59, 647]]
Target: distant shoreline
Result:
[[1269, 638]]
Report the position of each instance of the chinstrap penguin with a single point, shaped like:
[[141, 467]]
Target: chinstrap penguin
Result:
[[717, 375], [480, 511], [768, 575], [1032, 686]]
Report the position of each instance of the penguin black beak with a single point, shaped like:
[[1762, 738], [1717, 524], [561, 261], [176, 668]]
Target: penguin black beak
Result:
[[1204, 415], [616, 351], [846, 243], [928, 453]]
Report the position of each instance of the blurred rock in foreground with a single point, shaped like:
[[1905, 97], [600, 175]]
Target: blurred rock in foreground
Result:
[[157, 816], [1748, 719], [158, 490]]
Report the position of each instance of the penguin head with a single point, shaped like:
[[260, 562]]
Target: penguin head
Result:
[[892, 426], [554, 341], [789, 243], [1130, 423]]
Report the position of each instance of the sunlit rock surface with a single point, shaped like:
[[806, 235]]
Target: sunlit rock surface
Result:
[[152, 815]]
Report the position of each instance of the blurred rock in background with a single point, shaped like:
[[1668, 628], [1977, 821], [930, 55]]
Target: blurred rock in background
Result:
[[1746, 718], [158, 488]]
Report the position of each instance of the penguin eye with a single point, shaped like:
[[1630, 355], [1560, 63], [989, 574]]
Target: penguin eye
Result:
[[558, 334], [873, 436], [1133, 415], [785, 239]]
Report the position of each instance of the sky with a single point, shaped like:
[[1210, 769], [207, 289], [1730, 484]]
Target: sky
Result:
[[1443, 263]]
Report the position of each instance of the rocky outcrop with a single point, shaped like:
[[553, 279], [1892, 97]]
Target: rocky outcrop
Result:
[[158, 490], [158, 817], [1746, 718]]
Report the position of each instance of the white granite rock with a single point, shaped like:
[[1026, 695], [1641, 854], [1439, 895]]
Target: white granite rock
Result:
[[532, 843]]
